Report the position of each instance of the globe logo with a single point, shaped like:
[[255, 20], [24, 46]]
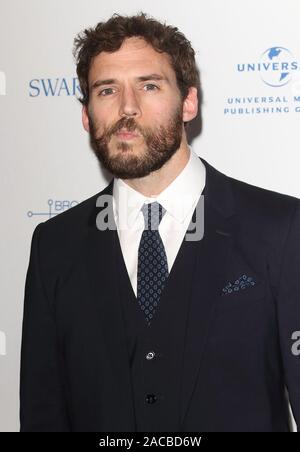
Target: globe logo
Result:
[[277, 65]]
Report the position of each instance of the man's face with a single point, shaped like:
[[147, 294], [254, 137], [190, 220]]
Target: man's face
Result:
[[133, 90]]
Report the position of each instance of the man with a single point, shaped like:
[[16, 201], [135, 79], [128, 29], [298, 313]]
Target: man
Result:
[[135, 317]]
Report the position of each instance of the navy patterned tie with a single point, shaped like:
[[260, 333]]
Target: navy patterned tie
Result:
[[152, 261]]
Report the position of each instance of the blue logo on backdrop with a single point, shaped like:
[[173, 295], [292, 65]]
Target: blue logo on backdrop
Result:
[[53, 87], [276, 67], [55, 207]]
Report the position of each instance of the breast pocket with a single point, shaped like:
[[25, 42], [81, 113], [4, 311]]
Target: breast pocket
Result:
[[243, 298]]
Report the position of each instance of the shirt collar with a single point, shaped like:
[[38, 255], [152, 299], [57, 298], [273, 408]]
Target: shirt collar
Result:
[[178, 198]]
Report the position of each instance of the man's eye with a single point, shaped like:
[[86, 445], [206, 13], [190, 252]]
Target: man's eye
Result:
[[105, 92], [152, 87]]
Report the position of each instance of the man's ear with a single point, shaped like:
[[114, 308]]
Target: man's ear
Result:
[[85, 118], [190, 105]]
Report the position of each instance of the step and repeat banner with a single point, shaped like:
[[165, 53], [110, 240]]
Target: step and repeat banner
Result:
[[248, 54]]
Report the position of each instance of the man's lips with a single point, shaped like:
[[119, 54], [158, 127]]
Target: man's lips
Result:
[[125, 135]]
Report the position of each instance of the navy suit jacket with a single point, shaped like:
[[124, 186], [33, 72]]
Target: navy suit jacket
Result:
[[240, 351]]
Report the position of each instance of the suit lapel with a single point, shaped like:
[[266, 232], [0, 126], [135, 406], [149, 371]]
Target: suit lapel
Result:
[[209, 277]]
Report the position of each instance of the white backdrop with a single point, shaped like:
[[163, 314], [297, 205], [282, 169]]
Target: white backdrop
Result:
[[250, 128]]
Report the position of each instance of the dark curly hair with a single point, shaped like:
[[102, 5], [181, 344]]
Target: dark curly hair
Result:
[[109, 36]]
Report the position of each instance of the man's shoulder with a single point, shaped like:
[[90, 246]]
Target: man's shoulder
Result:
[[249, 198], [252, 198], [265, 214]]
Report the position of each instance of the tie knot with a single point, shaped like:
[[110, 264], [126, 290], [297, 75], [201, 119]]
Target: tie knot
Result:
[[153, 213]]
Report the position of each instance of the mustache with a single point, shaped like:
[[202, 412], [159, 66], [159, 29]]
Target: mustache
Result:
[[124, 123]]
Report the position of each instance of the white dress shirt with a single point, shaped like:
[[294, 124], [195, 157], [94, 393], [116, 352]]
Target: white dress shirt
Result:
[[179, 199]]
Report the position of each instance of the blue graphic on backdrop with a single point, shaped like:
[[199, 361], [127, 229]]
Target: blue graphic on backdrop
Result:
[[54, 87], [55, 207], [282, 64], [276, 67]]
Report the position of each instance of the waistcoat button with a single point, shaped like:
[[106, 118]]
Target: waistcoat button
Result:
[[151, 398], [150, 355]]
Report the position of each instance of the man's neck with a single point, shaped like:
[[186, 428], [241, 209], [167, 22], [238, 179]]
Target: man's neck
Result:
[[153, 184]]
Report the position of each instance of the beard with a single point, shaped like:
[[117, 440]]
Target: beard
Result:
[[160, 144]]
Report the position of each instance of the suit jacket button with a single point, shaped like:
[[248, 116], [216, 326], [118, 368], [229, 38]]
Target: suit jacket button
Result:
[[151, 398]]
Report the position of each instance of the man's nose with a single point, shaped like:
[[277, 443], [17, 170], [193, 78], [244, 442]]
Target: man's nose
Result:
[[129, 103]]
